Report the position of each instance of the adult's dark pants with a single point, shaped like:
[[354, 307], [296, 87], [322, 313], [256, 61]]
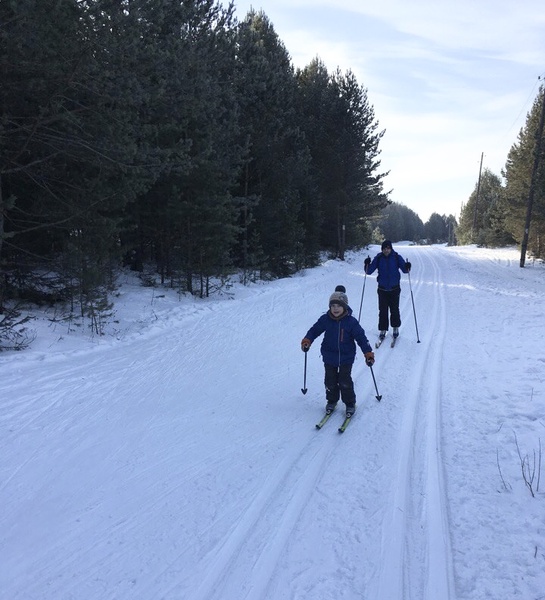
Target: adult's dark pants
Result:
[[388, 308], [338, 383]]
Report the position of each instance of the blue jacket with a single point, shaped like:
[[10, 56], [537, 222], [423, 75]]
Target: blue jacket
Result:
[[388, 277], [340, 337]]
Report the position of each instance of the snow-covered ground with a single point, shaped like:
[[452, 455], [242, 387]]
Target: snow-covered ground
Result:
[[178, 459]]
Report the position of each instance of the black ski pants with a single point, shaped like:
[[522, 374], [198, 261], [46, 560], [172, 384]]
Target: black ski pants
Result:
[[388, 302], [338, 383]]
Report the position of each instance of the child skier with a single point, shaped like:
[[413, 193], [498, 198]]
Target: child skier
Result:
[[341, 332]]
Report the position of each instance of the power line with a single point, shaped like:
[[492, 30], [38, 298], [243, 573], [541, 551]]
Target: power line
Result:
[[526, 102]]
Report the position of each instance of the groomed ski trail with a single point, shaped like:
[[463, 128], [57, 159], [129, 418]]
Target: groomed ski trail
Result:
[[178, 419], [415, 533]]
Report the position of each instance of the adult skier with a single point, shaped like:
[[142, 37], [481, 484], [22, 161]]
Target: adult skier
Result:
[[389, 264]]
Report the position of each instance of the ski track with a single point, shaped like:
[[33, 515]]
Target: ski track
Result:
[[416, 529], [251, 551]]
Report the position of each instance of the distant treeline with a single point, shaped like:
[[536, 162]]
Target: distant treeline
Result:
[[398, 222]]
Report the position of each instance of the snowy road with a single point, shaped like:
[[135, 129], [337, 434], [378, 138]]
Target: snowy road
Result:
[[182, 463]]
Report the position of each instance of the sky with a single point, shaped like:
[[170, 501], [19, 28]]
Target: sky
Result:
[[450, 82], [176, 457]]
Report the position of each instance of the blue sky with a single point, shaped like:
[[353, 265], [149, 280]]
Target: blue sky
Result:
[[447, 80]]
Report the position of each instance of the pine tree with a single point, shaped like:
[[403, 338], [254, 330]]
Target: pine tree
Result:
[[276, 158], [398, 222], [187, 217], [315, 100], [435, 229], [354, 187], [479, 217], [518, 174]]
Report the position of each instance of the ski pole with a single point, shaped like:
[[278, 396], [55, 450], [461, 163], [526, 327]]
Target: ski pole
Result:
[[304, 388], [378, 396], [414, 310], [362, 292]]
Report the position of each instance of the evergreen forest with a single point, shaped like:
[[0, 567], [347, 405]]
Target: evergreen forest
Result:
[[168, 133]]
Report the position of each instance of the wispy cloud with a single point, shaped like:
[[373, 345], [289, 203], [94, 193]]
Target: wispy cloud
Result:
[[448, 80]]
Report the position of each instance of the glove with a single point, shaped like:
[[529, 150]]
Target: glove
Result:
[[408, 266], [367, 262], [369, 359], [305, 344]]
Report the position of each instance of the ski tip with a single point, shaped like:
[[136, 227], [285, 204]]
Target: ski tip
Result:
[[343, 427]]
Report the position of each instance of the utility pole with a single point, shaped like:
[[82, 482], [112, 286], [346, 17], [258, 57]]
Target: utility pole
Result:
[[537, 157], [477, 199]]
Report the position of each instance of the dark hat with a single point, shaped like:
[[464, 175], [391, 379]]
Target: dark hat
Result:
[[386, 244], [340, 288], [339, 298]]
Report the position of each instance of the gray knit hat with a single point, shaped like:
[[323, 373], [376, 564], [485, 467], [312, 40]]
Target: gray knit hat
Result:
[[339, 298]]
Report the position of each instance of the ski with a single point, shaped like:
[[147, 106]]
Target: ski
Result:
[[379, 342], [393, 342], [345, 424], [324, 420]]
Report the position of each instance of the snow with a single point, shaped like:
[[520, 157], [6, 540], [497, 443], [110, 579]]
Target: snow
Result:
[[177, 459]]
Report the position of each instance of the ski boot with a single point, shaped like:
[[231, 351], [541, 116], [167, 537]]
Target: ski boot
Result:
[[330, 407]]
